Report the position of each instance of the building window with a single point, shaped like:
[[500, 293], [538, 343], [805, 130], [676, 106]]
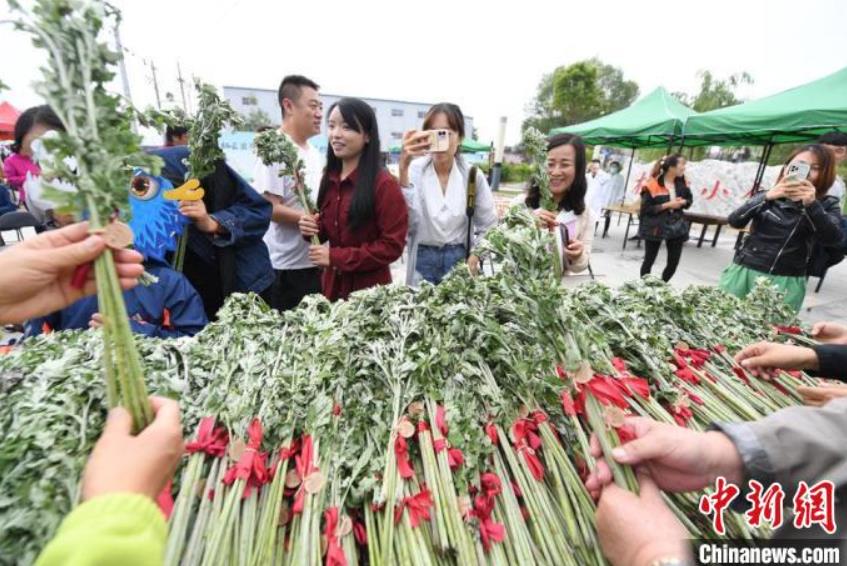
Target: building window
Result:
[[421, 114], [249, 100], [396, 111]]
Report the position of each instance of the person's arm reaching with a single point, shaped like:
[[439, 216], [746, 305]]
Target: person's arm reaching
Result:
[[119, 523]]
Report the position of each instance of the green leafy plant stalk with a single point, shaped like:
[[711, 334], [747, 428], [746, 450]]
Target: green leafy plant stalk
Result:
[[95, 153]]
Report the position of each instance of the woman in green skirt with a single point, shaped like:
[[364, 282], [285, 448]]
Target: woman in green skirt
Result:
[[786, 221]]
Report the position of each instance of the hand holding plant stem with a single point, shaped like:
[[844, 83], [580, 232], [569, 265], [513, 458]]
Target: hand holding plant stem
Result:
[[141, 464], [36, 276], [274, 147], [98, 139]]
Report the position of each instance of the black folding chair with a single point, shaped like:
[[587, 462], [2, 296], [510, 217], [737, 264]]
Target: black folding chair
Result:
[[16, 221]]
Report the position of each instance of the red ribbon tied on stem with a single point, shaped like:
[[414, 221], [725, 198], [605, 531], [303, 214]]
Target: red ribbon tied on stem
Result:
[[491, 432], [441, 420], [455, 457], [489, 530], [401, 452], [251, 466], [304, 466], [334, 553], [210, 440], [527, 441], [165, 499], [417, 505]]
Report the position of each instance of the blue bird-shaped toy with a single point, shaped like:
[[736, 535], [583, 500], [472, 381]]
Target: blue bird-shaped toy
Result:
[[156, 220]]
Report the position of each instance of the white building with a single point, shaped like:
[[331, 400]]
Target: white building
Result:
[[393, 116]]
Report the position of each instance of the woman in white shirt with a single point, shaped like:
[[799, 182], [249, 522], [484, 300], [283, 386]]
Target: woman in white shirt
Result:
[[572, 221], [435, 184]]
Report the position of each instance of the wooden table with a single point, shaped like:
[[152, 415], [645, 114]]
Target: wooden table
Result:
[[631, 210], [707, 220]]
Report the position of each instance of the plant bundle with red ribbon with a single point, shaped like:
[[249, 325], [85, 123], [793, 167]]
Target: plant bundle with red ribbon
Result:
[[286, 452], [334, 553], [304, 464], [404, 463], [165, 499], [210, 440], [455, 457], [417, 505], [527, 442], [491, 433], [792, 330], [252, 464], [680, 411], [607, 390], [490, 531]]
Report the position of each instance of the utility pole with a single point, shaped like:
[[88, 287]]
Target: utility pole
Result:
[[155, 84], [122, 68], [496, 171], [181, 82]]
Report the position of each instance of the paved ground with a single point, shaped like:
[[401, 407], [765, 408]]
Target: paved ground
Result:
[[614, 266]]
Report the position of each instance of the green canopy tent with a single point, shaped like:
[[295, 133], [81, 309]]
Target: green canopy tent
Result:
[[795, 115], [655, 120], [468, 146]]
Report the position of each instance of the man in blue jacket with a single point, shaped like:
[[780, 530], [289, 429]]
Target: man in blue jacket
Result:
[[225, 252], [169, 308]]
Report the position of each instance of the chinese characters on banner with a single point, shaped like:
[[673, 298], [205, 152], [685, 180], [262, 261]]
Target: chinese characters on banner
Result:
[[812, 505], [719, 187]]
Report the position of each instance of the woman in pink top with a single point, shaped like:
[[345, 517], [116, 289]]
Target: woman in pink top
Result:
[[17, 165]]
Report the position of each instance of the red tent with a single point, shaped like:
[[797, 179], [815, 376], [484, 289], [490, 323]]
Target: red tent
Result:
[[8, 117]]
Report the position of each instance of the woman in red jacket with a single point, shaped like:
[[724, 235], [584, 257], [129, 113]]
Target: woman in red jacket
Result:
[[363, 215]]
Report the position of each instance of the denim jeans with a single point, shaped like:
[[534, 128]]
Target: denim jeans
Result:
[[434, 263]]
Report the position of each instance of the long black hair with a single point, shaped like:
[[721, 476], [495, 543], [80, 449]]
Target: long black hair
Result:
[[357, 114], [574, 199], [42, 115], [23, 125]]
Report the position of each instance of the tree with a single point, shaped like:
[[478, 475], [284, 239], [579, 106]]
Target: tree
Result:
[[715, 93], [256, 119], [582, 91]]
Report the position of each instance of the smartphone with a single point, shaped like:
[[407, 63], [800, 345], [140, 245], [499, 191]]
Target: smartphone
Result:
[[439, 140], [798, 170]]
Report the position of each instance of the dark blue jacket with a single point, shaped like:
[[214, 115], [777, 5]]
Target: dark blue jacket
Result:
[[6, 200], [169, 308], [246, 221]]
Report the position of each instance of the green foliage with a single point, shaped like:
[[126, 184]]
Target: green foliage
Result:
[[213, 114], [535, 147], [582, 91], [715, 93], [516, 172], [256, 120], [174, 117], [98, 137]]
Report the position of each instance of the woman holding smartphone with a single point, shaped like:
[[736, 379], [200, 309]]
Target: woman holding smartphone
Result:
[[663, 199], [362, 220], [571, 222], [436, 182], [786, 221]]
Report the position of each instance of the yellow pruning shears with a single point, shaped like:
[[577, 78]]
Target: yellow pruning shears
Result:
[[189, 190]]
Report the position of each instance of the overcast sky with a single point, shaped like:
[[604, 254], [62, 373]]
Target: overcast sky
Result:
[[486, 56]]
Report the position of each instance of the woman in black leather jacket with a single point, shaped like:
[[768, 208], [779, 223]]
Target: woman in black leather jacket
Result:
[[787, 221]]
